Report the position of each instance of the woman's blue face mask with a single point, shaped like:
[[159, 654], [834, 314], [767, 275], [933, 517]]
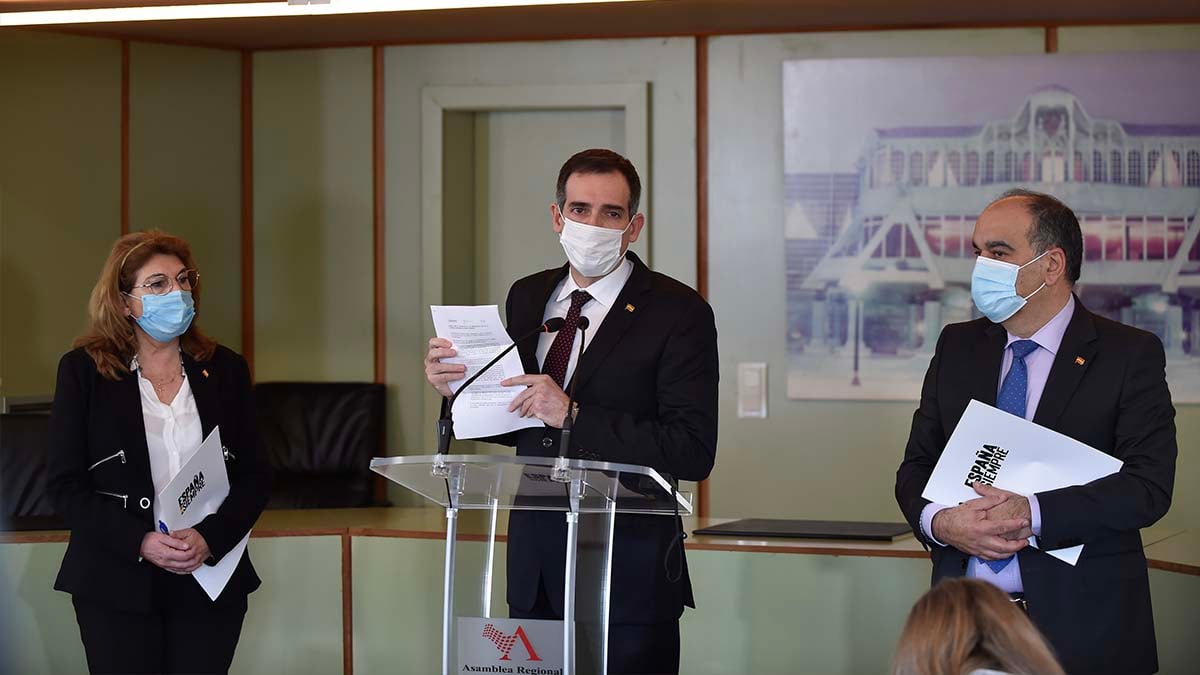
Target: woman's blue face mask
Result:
[[166, 317], [994, 288]]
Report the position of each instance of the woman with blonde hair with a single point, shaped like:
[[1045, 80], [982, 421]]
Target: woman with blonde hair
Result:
[[134, 400], [963, 626]]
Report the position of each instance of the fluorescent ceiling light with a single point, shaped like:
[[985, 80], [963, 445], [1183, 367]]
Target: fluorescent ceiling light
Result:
[[242, 10]]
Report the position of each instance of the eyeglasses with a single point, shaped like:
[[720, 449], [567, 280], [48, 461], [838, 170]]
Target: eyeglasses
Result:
[[160, 284]]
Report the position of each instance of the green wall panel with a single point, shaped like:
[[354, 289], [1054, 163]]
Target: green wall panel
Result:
[[185, 171], [294, 623], [313, 275], [60, 151]]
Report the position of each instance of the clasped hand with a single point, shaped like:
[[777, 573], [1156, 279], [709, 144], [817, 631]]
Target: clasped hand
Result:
[[181, 552], [992, 527]]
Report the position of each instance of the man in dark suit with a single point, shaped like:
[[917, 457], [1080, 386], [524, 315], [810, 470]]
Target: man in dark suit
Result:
[[1040, 354], [646, 394]]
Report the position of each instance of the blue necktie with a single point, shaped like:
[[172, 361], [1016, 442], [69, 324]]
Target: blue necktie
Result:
[[1012, 400]]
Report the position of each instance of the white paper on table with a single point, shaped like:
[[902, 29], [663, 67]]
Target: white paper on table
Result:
[[1037, 459], [478, 336], [197, 491]]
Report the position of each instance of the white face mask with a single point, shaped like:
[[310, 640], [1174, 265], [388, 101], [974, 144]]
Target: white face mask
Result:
[[593, 251]]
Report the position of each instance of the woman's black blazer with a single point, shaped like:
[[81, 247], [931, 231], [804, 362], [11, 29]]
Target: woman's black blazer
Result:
[[99, 477]]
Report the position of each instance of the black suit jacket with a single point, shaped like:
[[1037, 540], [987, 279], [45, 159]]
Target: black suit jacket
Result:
[[647, 393], [108, 503], [1106, 388]]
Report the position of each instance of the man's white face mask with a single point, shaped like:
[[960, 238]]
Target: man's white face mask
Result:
[[593, 251]]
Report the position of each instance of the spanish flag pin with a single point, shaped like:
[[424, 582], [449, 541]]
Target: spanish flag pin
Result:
[[628, 308], [204, 373], [1079, 360]]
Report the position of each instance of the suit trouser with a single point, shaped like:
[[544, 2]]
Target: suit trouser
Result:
[[633, 648], [187, 638]]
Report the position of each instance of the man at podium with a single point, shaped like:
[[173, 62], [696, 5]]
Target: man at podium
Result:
[[645, 393]]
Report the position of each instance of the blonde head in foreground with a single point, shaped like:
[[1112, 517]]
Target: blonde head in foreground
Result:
[[964, 625]]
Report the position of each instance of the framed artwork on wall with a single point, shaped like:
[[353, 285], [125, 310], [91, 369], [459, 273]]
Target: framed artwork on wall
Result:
[[888, 162]]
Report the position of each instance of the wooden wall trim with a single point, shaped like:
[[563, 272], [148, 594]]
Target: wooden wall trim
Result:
[[379, 227], [650, 33], [248, 208], [80, 30], [379, 213], [124, 137], [347, 604], [145, 33], [702, 205], [702, 165]]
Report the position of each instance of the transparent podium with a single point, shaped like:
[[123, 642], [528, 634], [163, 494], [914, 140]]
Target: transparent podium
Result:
[[587, 495]]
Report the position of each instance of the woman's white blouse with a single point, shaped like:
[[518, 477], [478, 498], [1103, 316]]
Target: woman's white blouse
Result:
[[173, 432]]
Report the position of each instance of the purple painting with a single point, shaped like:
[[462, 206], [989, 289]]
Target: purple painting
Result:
[[888, 162]]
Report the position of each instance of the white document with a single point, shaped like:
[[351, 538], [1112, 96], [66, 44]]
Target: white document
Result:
[[197, 491], [1011, 453], [478, 336]]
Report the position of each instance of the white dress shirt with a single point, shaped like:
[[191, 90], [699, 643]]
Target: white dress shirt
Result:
[[173, 432], [604, 293]]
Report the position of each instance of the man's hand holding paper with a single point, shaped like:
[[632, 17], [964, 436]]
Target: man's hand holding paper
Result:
[[976, 527], [542, 399], [997, 455], [440, 372], [468, 339], [1010, 507]]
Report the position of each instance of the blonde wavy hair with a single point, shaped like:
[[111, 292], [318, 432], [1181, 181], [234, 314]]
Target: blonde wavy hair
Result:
[[110, 338], [963, 625]]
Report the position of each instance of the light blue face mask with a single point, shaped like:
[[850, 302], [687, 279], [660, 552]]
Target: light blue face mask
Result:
[[994, 288], [166, 317]]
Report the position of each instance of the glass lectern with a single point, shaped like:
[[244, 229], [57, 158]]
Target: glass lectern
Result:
[[588, 494]]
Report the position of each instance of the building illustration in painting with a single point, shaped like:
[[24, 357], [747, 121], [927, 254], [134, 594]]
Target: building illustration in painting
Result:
[[879, 260]]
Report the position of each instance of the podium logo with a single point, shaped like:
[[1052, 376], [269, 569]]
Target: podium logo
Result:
[[505, 642]]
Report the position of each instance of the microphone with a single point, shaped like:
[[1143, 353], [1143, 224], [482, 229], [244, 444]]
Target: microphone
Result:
[[569, 421], [445, 424]]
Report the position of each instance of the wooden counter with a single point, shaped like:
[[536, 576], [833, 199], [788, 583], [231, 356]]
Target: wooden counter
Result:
[[1169, 549], [1179, 552]]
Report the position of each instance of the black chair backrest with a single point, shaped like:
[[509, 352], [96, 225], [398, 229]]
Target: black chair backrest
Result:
[[24, 444], [320, 437]]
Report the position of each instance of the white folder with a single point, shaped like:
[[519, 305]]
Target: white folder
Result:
[[197, 491], [1014, 454]]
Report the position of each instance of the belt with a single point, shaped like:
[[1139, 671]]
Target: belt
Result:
[[1018, 599]]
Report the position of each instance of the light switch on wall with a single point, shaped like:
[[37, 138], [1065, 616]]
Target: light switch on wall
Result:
[[752, 390]]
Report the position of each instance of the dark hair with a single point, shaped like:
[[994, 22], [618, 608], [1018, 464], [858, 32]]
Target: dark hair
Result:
[[599, 160], [1054, 225]]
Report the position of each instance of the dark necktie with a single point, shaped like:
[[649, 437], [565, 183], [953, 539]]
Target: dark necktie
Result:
[[560, 351], [1012, 400]]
